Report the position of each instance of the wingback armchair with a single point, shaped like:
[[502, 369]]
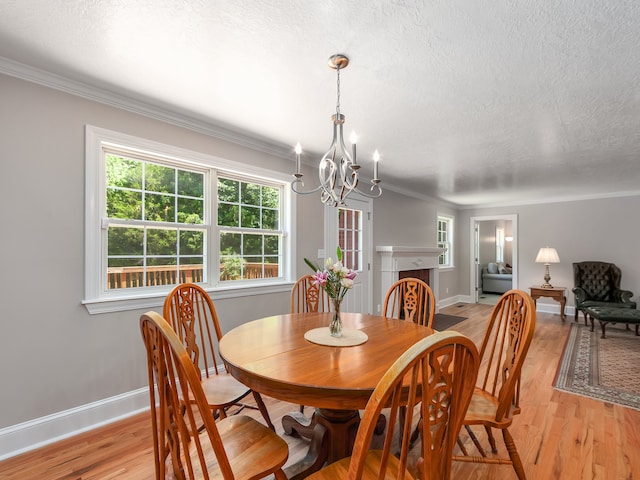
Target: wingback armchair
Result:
[[597, 284]]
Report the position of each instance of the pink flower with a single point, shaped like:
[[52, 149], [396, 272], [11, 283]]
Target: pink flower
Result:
[[351, 275], [320, 278]]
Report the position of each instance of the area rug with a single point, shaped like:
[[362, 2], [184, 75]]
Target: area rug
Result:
[[601, 368], [442, 321]]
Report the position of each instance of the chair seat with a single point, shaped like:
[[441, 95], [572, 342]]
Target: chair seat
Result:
[[222, 390], [245, 441], [596, 303], [339, 469], [482, 410]]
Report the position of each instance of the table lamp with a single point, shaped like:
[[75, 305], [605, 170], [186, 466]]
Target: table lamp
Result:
[[547, 255]]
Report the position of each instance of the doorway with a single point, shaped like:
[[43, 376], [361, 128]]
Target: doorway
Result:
[[350, 228], [494, 239]]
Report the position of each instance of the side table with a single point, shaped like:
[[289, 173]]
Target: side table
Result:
[[557, 293]]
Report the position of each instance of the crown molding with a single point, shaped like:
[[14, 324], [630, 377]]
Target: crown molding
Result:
[[560, 199], [147, 109]]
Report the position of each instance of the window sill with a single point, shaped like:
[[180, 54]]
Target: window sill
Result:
[[122, 303]]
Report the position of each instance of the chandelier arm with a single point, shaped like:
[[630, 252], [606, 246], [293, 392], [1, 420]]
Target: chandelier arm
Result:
[[328, 183], [375, 187], [348, 169], [349, 179], [328, 169], [301, 192]]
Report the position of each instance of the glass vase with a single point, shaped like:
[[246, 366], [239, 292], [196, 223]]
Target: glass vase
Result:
[[335, 327]]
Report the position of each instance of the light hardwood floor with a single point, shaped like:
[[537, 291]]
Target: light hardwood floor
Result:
[[558, 435]]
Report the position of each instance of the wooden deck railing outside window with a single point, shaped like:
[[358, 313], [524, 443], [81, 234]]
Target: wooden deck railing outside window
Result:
[[132, 277]]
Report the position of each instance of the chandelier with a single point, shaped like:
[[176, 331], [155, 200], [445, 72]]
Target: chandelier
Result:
[[338, 170]]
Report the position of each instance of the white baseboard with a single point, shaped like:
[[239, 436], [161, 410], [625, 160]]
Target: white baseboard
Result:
[[550, 308], [33, 434], [447, 302]]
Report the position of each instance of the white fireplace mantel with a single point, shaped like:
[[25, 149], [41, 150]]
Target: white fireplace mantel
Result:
[[396, 259]]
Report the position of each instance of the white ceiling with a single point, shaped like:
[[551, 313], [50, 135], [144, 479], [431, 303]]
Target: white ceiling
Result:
[[474, 102]]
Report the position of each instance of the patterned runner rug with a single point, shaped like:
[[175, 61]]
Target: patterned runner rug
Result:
[[604, 369]]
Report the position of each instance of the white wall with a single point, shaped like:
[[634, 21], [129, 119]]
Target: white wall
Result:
[[55, 358], [598, 229]]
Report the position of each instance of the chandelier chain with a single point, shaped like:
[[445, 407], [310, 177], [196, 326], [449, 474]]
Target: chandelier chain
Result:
[[338, 92]]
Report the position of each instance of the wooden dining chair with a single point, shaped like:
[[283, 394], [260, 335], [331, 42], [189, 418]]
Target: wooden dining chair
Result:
[[496, 399], [438, 375], [308, 297], [410, 299], [192, 315], [234, 447]]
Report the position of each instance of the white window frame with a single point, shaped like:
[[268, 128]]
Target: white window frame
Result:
[[98, 300], [449, 253]]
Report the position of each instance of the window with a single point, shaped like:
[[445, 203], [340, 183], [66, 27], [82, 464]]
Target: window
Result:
[[248, 221], [499, 244], [445, 240], [153, 222], [350, 237]]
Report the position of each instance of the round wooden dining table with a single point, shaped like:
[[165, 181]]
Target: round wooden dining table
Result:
[[272, 356]]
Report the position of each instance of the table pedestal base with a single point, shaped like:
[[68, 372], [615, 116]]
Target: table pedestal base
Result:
[[332, 433]]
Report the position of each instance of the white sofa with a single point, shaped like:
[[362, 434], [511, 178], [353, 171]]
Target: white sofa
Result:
[[496, 278]]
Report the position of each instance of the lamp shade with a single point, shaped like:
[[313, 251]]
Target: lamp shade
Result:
[[547, 255]]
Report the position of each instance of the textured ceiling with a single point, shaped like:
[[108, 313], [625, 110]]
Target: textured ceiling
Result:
[[476, 103]]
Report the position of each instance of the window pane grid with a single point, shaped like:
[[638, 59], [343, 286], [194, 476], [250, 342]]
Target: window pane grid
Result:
[[147, 256], [250, 242], [444, 229], [143, 240], [349, 237], [246, 256]]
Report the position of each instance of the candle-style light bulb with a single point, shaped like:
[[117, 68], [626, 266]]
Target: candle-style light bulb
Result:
[[298, 150], [353, 138], [376, 159]]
